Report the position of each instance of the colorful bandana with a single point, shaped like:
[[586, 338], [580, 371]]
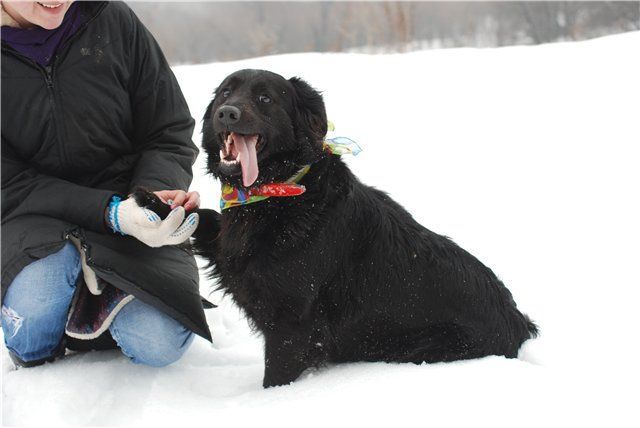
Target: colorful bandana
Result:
[[233, 196], [342, 146]]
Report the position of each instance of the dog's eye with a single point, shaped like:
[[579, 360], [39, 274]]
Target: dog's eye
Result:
[[226, 93], [264, 99]]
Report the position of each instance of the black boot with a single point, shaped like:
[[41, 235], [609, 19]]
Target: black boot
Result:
[[57, 353], [100, 343]]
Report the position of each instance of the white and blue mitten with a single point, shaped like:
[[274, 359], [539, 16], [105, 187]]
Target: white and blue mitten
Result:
[[129, 218]]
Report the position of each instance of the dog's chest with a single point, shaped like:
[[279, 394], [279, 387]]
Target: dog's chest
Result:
[[267, 226], [251, 240], [265, 254]]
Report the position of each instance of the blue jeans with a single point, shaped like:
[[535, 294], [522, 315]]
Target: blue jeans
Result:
[[35, 309]]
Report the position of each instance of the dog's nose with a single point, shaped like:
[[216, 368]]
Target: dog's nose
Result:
[[228, 115]]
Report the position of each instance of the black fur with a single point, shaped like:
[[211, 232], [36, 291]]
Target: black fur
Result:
[[149, 200], [342, 272]]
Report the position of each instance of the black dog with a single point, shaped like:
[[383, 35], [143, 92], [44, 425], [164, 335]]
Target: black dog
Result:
[[341, 272]]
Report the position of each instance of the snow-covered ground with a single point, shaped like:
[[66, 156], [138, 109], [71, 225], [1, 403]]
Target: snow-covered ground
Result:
[[528, 157]]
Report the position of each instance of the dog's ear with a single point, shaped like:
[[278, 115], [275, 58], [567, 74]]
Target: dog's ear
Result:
[[207, 113], [208, 135], [310, 109]]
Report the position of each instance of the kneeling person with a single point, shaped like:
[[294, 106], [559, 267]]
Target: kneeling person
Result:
[[91, 110]]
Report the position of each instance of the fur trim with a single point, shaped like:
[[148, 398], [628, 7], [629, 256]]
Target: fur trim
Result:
[[7, 20], [103, 327]]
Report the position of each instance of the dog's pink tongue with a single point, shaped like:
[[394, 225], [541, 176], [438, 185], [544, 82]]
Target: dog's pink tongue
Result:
[[246, 146]]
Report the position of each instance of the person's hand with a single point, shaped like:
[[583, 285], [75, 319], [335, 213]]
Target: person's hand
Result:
[[180, 198], [129, 218]]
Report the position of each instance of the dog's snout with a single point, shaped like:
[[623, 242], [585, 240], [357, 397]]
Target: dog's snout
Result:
[[228, 115]]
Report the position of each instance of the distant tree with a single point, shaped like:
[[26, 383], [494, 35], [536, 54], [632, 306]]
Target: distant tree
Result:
[[192, 32]]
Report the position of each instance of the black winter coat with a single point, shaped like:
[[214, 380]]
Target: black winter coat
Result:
[[107, 115]]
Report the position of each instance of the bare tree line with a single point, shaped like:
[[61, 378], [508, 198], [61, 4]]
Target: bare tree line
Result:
[[219, 31]]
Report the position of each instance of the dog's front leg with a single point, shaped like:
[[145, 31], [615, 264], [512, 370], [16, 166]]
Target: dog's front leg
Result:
[[287, 356]]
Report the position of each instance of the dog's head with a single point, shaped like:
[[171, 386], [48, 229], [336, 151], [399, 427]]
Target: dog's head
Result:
[[260, 128]]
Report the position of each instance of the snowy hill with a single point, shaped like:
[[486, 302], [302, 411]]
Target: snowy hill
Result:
[[525, 156]]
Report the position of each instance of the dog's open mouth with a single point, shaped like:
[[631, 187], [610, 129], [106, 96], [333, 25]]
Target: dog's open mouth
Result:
[[241, 150]]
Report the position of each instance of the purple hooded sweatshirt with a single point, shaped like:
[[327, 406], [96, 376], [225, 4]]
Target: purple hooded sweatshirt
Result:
[[39, 44]]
